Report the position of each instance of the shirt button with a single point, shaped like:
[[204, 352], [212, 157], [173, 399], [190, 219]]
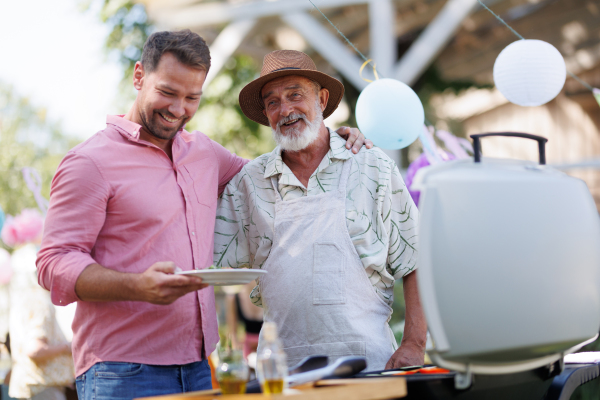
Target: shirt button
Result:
[[193, 233]]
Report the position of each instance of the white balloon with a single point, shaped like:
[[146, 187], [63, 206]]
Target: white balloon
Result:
[[390, 113], [530, 72]]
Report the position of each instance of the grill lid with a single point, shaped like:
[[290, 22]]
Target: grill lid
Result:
[[509, 263]]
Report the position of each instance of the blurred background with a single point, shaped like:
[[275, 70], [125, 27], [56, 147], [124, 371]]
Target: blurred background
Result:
[[66, 64]]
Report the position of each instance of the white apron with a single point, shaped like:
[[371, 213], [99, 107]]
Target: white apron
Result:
[[317, 290]]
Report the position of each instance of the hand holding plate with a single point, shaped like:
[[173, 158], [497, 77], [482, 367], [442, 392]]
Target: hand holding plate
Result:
[[159, 285]]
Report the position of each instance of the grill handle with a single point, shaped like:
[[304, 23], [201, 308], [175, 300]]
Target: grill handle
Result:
[[477, 143]]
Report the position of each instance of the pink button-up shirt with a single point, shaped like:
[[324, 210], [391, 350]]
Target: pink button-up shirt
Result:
[[121, 202]]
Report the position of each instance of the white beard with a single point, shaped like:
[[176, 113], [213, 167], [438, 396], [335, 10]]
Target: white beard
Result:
[[295, 139]]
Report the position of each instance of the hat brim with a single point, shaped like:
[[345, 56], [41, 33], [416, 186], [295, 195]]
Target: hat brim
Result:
[[252, 104]]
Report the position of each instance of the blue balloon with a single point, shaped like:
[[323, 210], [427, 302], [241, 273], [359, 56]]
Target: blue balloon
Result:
[[390, 113], [1, 218]]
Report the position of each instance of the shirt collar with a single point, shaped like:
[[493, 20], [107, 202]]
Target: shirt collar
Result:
[[124, 125], [337, 151], [337, 147], [132, 130]]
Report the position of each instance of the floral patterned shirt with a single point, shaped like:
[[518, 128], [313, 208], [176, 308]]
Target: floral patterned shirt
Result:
[[380, 214]]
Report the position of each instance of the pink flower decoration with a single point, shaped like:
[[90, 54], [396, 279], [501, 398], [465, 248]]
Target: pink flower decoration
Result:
[[416, 165], [24, 228]]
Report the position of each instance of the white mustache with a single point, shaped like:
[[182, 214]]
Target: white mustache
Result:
[[291, 117]]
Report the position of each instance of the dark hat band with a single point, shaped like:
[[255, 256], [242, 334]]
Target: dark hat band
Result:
[[283, 69]]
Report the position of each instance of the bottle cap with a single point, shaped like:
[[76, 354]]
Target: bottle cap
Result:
[[270, 331]]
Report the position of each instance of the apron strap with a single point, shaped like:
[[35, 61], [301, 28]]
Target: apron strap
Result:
[[341, 185]]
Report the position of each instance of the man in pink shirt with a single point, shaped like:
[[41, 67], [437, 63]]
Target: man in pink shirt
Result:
[[128, 207]]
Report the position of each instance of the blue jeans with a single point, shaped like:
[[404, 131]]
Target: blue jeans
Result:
[[125, 381]]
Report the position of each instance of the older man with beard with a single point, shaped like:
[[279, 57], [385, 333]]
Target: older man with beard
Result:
[[333, 229]]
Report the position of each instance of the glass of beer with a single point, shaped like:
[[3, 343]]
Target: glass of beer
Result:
[[232, 372]]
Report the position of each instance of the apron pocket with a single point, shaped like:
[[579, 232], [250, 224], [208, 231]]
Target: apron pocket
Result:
[[329, 283], [332, 350]]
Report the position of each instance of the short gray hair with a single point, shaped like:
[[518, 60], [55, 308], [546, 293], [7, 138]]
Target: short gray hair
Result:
[[316, 86]]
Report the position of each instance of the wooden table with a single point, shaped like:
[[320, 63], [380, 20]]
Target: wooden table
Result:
[[332, 389]]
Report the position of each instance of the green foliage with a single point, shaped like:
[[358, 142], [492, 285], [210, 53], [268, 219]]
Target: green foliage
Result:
[[432, 82], [130, 28], [399, 313], [26, 140], [221, 117]]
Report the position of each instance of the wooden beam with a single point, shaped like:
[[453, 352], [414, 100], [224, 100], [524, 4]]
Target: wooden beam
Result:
[[327, 45], [226, 44], [204, 14], [431, 42], [410, 19], [383, 47], [473, 54], [382, 37]]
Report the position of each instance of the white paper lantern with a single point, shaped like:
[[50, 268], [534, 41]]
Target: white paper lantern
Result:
[[530, 72]]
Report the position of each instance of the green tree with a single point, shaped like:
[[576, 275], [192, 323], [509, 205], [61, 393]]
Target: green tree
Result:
[[27, 139], [219, 115], [129, 29]]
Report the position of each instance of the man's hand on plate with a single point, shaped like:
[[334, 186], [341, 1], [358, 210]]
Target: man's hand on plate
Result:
[[354, 138], [406, 356], [159, 285]]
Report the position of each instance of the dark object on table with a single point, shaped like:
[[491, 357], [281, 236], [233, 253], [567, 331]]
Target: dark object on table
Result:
[[340, 368], [307, 364], [543, 383], [314, 368], [573, 376]]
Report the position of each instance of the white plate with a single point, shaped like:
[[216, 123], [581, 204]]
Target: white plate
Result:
[[224, 277]]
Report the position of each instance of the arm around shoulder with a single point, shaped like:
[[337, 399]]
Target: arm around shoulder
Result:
[[231, 245], [229, 164]]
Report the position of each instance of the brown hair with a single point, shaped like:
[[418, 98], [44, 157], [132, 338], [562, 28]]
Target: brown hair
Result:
[[188, 47]]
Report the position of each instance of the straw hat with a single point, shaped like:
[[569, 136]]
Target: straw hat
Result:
[[282, 63]]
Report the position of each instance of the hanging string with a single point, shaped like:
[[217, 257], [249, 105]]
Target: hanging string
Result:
[[501, 20], [586, 85], [424, 139], [369, 61], [365, 59], [578, 79]]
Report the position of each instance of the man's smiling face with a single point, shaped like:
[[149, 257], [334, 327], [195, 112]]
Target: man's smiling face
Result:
[[294, 107], [168, 97], [289, 96]]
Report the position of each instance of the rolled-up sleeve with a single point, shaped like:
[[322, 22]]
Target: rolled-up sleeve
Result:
[[78, 201]]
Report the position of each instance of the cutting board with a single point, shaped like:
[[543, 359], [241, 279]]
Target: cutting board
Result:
[[335, 389]]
